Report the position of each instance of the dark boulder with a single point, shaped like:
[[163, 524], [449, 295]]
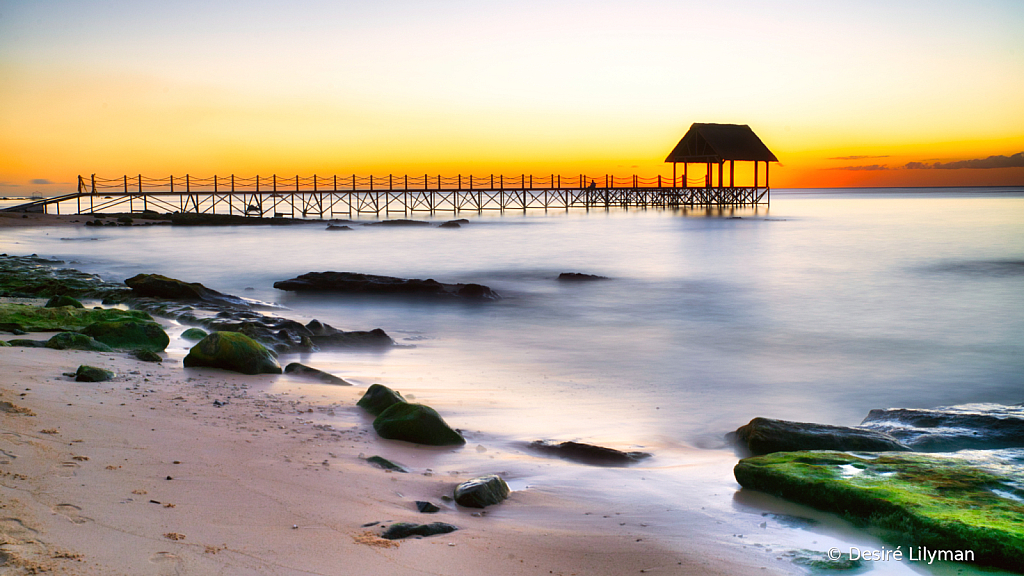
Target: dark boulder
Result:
[[481, 492], [589, 453], [232, 351], [407, 529], [296, 369], [333, 227], [375, 338], [157, 286], [579, 277], [416, 423], [27, 343], [129, 334], [385, 464], [369, 284], [378, 398], [76, 341], [62, 300], [427, 507], [976, 426], [764, 436], [92, 374]]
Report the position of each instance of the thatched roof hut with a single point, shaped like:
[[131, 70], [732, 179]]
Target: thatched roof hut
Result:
[[720, 143]]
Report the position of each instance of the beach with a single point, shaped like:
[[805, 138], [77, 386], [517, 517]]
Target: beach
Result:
[[144, 474], [705, 322]]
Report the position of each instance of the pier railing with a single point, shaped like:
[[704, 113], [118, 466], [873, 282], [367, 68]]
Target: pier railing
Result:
[[352, 195]]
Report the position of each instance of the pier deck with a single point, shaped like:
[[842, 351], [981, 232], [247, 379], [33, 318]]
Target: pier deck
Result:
[[321, 197]]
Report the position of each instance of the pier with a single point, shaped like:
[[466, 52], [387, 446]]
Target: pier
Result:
[[326, 197], [708, 148]]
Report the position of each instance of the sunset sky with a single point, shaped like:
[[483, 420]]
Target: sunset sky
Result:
[[867, 93]]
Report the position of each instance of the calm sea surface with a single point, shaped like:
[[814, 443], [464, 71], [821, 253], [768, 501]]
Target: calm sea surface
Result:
[[820, 308]]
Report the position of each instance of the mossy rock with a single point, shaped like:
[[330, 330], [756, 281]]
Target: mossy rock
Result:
[[481, 492], [379, 398], [129, 335], [76, 341], [941, 503], [42, 319], [92, 374], [27, 343], [58, 301], [416, 423], [147, 356], [194, 334], [233, 351], [385, 464], [4, 344]]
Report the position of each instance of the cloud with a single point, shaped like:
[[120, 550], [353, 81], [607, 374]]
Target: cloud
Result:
[[1015, 161], [869, 167], [856, 157], [41, 181]]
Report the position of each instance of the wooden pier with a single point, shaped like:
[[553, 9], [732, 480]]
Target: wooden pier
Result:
[[329, 197]]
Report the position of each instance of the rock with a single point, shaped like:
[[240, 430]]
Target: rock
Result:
[[66, 318], [764, 436], [482, 492], [232, 351], [76, 341], [819, 562], [398, 222], [147, 356], [972, 426], [157, 286], [129, 334], [333, 227], [427, 507], [579, 277], [13, 328], [378, 398], [354, 283], [589, 453], [406, 529], [385, 464], [915, 500], [92, 374], [61, 300], [194, 334], [375, 338], [27, 343], [3, 344], [297, 369], [415, 423], [454, 223]]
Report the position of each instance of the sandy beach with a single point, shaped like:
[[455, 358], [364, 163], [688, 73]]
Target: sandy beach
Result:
[[145, 474]]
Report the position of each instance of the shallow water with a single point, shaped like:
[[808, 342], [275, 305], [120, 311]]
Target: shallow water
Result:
[[819, 309]]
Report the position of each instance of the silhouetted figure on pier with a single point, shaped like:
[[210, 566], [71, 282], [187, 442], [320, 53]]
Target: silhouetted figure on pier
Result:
[[592, 186]]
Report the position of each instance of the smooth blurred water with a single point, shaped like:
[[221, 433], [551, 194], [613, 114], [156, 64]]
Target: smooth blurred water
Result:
[[823, 307]]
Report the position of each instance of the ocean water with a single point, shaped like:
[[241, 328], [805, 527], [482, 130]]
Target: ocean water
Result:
[[819, 308]]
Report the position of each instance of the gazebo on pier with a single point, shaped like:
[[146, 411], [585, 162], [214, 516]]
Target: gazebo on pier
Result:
[[711, 144]]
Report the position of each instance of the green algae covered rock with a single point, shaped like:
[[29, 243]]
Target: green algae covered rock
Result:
[[3, 343], [400, 530], [943, 503], [379, 398], [92, 374], [147, 356], [385, 464], [76, 341], [129, 334], [233, 351], [41, 319], [481, 492], [194, 334], [58, 301], [416, 423]]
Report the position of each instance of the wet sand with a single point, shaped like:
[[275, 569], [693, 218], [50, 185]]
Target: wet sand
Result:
[[144, 474]]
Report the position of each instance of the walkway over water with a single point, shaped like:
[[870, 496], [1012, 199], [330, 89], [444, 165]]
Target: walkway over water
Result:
[[326, 197]]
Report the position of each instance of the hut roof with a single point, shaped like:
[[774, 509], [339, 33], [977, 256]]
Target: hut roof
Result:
[[720, 142]]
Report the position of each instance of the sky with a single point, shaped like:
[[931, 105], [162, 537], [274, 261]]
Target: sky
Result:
[[866, 93]]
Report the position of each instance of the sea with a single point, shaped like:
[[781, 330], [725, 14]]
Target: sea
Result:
[[820, 307]]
